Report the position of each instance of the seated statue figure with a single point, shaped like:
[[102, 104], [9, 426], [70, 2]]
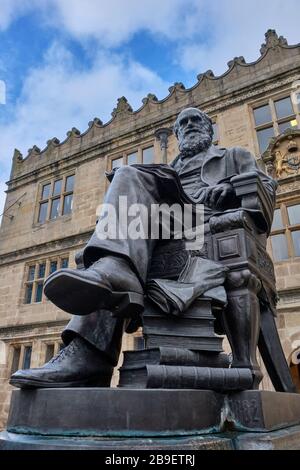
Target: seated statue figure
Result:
[[106, 295]]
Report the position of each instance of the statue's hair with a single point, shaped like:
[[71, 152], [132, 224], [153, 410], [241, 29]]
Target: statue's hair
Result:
[[201, 113]]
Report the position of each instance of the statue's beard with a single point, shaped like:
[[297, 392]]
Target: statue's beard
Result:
[[192, 144]]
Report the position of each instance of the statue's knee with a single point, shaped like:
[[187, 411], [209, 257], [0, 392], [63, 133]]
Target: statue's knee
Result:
[[126, 171]]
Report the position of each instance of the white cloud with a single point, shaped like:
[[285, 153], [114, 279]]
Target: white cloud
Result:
[[57, 96], [115, 21], [236, 28], [110, 21], [207, 34], [11, 9]]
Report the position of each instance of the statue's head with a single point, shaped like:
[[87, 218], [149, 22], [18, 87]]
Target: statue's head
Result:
[[194, 131]]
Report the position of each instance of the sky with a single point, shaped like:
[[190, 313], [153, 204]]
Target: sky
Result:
[[64, 62]]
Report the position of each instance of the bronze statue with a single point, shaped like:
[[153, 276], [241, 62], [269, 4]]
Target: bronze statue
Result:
[[106, 294]]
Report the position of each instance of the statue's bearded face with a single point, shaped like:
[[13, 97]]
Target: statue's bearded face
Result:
[[194, 131]]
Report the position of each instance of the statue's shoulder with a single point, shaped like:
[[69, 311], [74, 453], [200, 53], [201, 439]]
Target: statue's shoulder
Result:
[[239, 151], [240, 155]]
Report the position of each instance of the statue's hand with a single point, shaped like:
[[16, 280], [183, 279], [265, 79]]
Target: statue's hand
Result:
[[216, 195]]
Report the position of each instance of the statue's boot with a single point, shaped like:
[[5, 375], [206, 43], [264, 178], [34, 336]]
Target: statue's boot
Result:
[[77, 365], [109, 283]]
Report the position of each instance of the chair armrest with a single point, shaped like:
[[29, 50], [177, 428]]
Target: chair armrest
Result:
[[254, 196], [227, 221]]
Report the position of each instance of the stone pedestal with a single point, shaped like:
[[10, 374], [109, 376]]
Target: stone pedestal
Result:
[[99, 418], [113, 412]]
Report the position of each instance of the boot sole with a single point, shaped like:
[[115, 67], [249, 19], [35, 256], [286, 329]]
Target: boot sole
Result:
[[81, 297], [104, 381]]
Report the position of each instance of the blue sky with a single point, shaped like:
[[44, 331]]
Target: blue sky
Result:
[[65, 62]]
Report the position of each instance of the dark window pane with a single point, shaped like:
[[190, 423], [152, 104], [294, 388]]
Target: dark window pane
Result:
[[264, 137], [279, 246], [16, 359], [55, 208], [64, 263], [31, 272], [132, 158], [262, 115], [69, 183], [138, 343], [68, 204], [49, 352], [283, 126], [27, 357], [28, 293], [216, 132], [46, 191], [277, 221], [53, 267], [294, 214], [148, 155], [284, 107], [43, 212], [57, 187], [42, 269], [296, 241], [117, 163], [39, 292]]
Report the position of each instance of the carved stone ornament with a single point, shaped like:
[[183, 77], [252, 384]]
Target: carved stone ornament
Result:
[[123, 107], [282, 158], [272, 41]]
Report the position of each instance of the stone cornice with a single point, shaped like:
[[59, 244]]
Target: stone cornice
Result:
[[83, 155], [13, 331], [45, 249], [255, 91]]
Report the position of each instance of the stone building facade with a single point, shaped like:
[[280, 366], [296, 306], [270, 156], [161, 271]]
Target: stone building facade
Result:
[[53, 194]]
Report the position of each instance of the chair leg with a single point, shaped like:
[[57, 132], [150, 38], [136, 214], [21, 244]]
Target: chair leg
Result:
[[272, 353], [242, 321]]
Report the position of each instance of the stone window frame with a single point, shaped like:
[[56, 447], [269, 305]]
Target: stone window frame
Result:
[[287, 229], [21, 347], [56, 344], [62, 195], [36, 281], [275, 122], [138, 149], [216, 136]]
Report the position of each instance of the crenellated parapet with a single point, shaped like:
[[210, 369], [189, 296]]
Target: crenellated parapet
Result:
[[212, 93]]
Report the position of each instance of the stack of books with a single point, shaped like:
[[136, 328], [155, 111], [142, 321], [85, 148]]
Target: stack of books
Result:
[[193, 330], [182, 353], [177, 368]]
